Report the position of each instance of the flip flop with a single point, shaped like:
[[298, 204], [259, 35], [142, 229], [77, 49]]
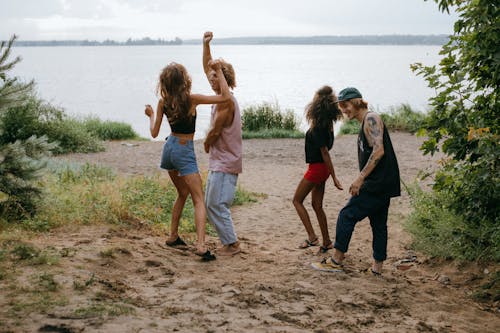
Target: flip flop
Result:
[[177, 242], [307, 243], [370, 271], [207, 256]]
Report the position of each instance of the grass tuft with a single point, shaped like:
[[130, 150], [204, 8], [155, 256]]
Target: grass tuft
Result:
[[267, 121]]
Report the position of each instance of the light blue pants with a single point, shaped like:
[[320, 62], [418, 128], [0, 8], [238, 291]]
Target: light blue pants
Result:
[[219, 196]]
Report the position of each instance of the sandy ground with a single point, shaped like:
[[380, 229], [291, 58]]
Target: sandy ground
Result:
[[270, 287]]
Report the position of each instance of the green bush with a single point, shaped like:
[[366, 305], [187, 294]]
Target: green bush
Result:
[[350, 127], [439, 231], [109, 130], [403, 118], [400, 118], [21, 163], [21, 159], [463, 121], [36, 118], [267, 116]]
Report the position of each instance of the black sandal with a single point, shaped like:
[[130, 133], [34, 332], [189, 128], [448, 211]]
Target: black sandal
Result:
[[307, 243], [207, 256], [175, 243], [324, 249]]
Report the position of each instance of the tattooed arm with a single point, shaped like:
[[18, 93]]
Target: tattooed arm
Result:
[[374, 132]]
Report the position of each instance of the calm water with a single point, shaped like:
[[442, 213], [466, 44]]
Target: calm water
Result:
[[115, 82]]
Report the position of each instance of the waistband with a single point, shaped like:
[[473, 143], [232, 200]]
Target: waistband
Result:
[[181, 136]]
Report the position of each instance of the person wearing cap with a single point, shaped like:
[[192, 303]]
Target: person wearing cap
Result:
[[372, 190]]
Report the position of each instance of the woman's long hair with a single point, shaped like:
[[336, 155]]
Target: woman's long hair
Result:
[[175, 89], [324, 109]]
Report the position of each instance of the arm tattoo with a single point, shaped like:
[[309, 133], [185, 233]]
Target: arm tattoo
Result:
[[374, 135], [373, 129], [375, 138]]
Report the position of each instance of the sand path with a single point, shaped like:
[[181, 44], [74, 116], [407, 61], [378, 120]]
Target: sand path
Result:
[[270, 287]]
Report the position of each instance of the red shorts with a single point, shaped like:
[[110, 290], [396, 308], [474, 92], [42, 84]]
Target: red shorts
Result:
[[317, 173]]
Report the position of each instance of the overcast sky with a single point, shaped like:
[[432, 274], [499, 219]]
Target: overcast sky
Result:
[[186, 19]]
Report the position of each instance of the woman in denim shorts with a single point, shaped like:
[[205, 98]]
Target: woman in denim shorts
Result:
[[178, 104]]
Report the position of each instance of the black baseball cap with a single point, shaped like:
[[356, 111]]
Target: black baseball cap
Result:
[[349, 93]]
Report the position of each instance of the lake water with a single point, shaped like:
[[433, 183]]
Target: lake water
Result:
[[114, 83]]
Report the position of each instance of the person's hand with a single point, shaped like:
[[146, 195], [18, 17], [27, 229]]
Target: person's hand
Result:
[[207, 147], [207, 37], [337, 183], [355, 186], [149, 111], [214, 64]]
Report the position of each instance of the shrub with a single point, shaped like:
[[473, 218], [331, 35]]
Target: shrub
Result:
[[464, 122], [20, 166], [350, 127], [267, 116], [20, 160], [403, 118], [36, 118], [109, 130], [440, 231], [399, 118]]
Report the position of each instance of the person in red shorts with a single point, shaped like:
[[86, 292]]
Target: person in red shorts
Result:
[[321, 113]]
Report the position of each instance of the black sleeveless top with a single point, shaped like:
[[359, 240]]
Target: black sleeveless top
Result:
[[384, 179], [182, 126]]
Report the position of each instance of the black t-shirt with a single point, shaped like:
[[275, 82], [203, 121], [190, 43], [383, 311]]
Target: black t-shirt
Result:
[[315, 139], [384, 179]]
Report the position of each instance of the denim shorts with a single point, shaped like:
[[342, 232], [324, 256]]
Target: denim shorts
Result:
[[178, 154]]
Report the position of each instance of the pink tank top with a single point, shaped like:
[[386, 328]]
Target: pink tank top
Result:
[[226, 153]]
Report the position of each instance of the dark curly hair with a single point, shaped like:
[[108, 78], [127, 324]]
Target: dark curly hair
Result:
[[324, 109], [174, 87]]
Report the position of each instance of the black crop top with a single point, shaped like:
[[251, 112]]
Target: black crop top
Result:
[[182, 126]]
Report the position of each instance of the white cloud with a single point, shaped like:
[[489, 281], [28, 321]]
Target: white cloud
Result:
[[121, 19]]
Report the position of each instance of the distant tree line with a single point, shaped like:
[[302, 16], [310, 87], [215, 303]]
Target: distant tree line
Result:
[[107, 42], [335, 40], [313, 40]]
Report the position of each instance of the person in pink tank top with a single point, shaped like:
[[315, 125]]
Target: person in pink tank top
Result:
[[224, 146]]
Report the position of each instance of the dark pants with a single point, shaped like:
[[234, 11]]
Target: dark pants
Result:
[[373, 206]]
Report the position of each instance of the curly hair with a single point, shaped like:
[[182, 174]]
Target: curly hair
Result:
[[228, 71], [323, 110], [174, 86]]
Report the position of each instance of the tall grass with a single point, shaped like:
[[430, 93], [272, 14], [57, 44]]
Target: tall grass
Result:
[[267, 121], [403, 118], [438, 231], [109, 130], [89, 194], [400, 118], [34, 117]]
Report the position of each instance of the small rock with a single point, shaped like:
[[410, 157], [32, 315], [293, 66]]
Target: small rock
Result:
[[486, 271], [444, 279], [404, 267], [231, 289], [127, 144], [153, 263]]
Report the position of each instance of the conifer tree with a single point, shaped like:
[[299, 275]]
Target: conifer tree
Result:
[[22, 160]]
